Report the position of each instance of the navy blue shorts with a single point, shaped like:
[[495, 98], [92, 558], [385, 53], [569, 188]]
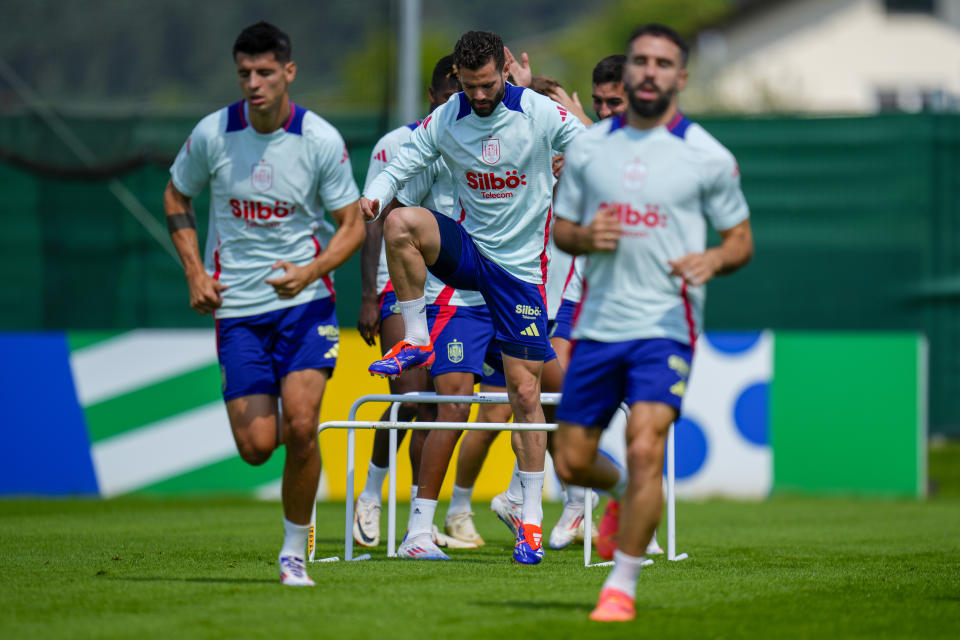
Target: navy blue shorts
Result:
[[518, 309], [388, 304], [604, 374], [563, 324], [493, 364], [460, 337], [256, 352]]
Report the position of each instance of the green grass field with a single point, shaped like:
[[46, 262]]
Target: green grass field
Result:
[[206, 568]]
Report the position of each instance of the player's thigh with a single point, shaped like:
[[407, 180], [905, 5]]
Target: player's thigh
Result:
[[594, 384], [561, 346], [416, 224], [521, 375], [253, 423], [646, 432]]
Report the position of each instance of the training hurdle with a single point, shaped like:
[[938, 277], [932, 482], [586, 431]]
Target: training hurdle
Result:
[[351, 424]]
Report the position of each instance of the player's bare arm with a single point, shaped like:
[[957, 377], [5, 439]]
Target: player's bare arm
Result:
[[602, 234], [733, 252], [368, 321], [205, 292], [347, 239]]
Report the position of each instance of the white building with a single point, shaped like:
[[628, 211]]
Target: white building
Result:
[[830, 56]]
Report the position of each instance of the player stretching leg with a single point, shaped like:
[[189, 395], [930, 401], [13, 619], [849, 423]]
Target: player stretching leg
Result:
[[273, 167], [636, 193], [379, 310], [496, 140]]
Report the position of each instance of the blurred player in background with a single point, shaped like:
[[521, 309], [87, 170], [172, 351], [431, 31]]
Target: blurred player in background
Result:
[[635, 195], [273, 169], [497, 141], [563, 295], [379, 313]]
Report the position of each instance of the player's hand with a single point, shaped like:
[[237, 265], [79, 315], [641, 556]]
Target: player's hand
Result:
[[557, 166], [696, 268], [605, 230], [370, 208], [205, 293], [292, 282], [518, 72], [368, 322]]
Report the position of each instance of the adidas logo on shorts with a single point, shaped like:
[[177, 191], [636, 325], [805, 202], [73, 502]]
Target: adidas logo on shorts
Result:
[[531, 330]]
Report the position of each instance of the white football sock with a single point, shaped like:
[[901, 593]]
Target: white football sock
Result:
[[374, 487], [413, 491], [626, 570], [515, 491], [414, 314], [532, 484], [460, 501], [575, 496], [421, 517], [294, 539]]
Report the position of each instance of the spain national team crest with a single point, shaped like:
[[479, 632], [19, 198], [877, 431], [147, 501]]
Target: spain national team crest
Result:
[[455, 351], [261, 177], [490, 150], [634, 175]]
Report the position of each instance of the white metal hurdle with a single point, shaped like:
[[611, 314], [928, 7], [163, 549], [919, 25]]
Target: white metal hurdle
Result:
[[351, 424]]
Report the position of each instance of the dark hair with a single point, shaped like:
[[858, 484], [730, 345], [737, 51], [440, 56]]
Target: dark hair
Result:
[[443, 74], [663, 31], [475, 48], [610, 69], [263, 37], [543, 84]]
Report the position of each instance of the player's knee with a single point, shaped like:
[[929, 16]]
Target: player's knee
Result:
[[528, 395], [644, 454], [453, 412], [570, 465], [300, 434], [399, 224], [254, 453]]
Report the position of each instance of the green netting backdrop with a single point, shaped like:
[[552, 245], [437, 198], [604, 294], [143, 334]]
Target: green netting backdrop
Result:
[[856, 220]]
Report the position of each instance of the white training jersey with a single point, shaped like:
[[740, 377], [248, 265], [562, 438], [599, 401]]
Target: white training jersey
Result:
[[501, 169], [573, 283], [383, 152], [433, 188], [558, 267], [268, 194], [665, 183]]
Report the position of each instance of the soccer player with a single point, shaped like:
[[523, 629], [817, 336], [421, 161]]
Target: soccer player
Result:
[[379, 311], [496, 140], [273, 169], [563, 295], [635, 197]]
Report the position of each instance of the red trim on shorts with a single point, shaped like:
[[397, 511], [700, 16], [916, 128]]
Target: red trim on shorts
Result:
[[544, 259], [440, 322], [327, 280], [688, 311], [387, 288]]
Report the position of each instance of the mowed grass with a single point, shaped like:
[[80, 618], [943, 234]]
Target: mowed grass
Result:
[[206, 568]]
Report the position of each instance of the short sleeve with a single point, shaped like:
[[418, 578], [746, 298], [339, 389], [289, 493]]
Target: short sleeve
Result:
[[337, 186], [723, 201], [190, 171]]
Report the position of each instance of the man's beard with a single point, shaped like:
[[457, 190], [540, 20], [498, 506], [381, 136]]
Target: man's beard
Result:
[[493, 103], [650, 108]]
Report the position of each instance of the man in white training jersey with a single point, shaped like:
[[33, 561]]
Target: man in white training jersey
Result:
[[379, 313], [635, 196], [497, 141], [273, 169]]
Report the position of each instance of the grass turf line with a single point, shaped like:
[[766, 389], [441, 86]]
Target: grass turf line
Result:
[[785, 568]]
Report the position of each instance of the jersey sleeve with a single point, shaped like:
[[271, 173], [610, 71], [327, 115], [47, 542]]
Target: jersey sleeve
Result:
[[569, 197], [384, 151], [337, 187], [723, 201], [417, 154], [190, 171], [415, 192], [561, 125]]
